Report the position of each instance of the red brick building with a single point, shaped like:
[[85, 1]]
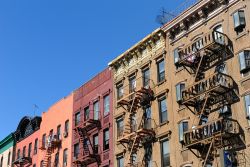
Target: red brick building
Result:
[[27, 137], [92, 122]]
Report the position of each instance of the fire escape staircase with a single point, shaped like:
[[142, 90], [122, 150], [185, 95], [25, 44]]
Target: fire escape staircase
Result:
[[49, 147], [208, 94], [132, 135], [88, 153]]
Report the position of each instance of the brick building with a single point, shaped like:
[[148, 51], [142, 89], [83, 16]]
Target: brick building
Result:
[[182, 92], [55, 134], [27, 137], [92, 143], [7, 150]]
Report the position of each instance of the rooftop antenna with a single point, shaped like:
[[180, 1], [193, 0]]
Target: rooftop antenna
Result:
[[35, 107], [166, 16]]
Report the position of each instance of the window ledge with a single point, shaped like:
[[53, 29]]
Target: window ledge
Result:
[[244, 79], [179, 70], [164, 123], [105, 151], [242, 34], [180, 109], [186, 163], [160, 83]]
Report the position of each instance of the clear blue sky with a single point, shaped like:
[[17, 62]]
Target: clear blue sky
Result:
[[50, 47]]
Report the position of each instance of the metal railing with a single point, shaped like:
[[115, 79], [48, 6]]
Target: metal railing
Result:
[[207, 84], [210, 39], [222, 127], [129, 91]]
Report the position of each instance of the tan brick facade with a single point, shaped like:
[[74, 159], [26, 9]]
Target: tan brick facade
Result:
[[196, 23]]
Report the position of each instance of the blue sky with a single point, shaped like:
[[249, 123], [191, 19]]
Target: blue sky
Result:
[[50, 47]]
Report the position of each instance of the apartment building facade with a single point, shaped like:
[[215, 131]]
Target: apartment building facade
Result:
[[26, 137], [55, 134], [184, 100], [92, 142], [141, 132], [7, 151]]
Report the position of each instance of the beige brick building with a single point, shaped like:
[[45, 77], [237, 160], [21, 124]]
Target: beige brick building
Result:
[[182, 93]]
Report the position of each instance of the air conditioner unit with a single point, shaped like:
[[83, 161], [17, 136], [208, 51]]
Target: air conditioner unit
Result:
[[65, 134]]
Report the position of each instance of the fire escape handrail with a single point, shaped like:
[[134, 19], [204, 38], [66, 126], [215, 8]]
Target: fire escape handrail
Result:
[[216, 79], [210, 129], [207, 39], [128, 93]]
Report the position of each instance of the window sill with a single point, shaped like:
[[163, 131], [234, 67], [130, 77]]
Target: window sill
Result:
[[160, 83], [164, 123], [181, 109], [105, 151], [242, 34], [179, 70]]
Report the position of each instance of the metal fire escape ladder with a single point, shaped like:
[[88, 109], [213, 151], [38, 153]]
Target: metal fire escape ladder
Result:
[[208, 153]]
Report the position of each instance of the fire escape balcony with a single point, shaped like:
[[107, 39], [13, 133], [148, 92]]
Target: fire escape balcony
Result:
[[212, 45], [90, 122], [51, 142], [218, 87], [221, 131], [23, 161], [88, 155]]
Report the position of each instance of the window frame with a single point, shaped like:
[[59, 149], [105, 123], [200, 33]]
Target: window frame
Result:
[[182, 129], [106, 141], [106, 104], [161, 73], [244, 56], [30, 150], [65, 157], [161, 112], [162, 153], [119, 90], [146, 77], [120, 161], [179, 89], [240, 17], [96, 108], [77, 118]]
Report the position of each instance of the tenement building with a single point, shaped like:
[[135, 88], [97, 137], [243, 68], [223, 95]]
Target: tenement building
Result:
[[56, 134], [142, 124], [26, 137], [183, 99], [92, 143], [7, 151]]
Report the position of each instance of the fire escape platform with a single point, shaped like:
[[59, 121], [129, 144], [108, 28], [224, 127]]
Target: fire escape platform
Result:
[[215, 85], [88, 159], [217, 130], [23, 161]]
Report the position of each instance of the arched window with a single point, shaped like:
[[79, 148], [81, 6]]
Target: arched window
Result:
[[218, 34]]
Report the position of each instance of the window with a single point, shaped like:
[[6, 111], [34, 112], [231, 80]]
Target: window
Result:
[[18, 153], [247, 106], [163, 109], [77, 118], [132, 84], [146, 77], [120, 127], [119, 89], [35, 146], [34, 165], [9, 156], [183, 127], [148, 155], [239, 21], [24, 151], [197, 45], [41, 163], [66, 128], [86, 113], [30, 149], [120, 161], [165, 153], [106, 139], [58, 132], [147, 118], [76, 150], [106, 105], [244, 60], [95, 143], [179, 88], [221, 68], [44, 140], [176, 56], [65, 157], [133, 158], [161, 70], [96, 110], [1, 163], [56, 160], [218, 36]]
